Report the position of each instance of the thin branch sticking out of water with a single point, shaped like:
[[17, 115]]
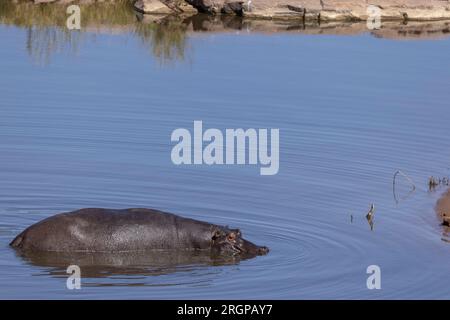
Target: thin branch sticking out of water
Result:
[[370, 215], [433, 182]]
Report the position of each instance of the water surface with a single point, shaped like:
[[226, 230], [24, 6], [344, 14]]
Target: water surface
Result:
[[86, 120]]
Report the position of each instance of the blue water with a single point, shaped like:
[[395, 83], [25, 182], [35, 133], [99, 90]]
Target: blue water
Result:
[[91, 128]]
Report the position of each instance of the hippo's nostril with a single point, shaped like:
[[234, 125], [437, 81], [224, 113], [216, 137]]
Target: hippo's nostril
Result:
[[263, 250]]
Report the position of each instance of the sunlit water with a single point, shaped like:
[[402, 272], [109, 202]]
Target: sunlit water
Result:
[[91, 128]]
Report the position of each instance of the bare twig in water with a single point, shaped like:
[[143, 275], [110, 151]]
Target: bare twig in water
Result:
[[399, 172], [370, 215], [433, 182]]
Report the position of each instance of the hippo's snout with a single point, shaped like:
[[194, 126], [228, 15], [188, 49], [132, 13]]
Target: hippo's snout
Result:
[[230, 241], [263, 250], [250, 248]]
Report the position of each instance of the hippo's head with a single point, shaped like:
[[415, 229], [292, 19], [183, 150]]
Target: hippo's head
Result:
[[230, 241]]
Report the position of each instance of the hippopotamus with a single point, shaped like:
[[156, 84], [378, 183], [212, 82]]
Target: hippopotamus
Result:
[[131, 230]]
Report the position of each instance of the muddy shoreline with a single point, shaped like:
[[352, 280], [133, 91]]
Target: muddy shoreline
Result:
[[443, 212]]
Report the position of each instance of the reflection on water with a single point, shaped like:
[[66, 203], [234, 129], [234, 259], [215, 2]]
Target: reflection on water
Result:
[[126, 264], [47, 32], [43, 42], [166, 35]]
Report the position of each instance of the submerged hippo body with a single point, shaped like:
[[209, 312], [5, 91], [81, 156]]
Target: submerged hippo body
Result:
[[108, 230]]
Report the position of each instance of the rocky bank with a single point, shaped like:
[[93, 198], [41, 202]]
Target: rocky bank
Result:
[[321, 10], [318, 10]]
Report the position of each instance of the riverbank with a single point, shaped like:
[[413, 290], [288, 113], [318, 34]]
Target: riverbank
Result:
[[318, 10], [443, 211], [307, 10], [118, 16]]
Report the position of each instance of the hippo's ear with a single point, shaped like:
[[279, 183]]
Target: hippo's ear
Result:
[[216, 234], [237, 232]]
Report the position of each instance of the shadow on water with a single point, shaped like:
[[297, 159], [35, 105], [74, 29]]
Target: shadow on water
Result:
[[166, 36], [126, 265]]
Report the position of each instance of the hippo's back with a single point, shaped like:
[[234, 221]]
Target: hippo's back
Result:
[[113, 230]]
